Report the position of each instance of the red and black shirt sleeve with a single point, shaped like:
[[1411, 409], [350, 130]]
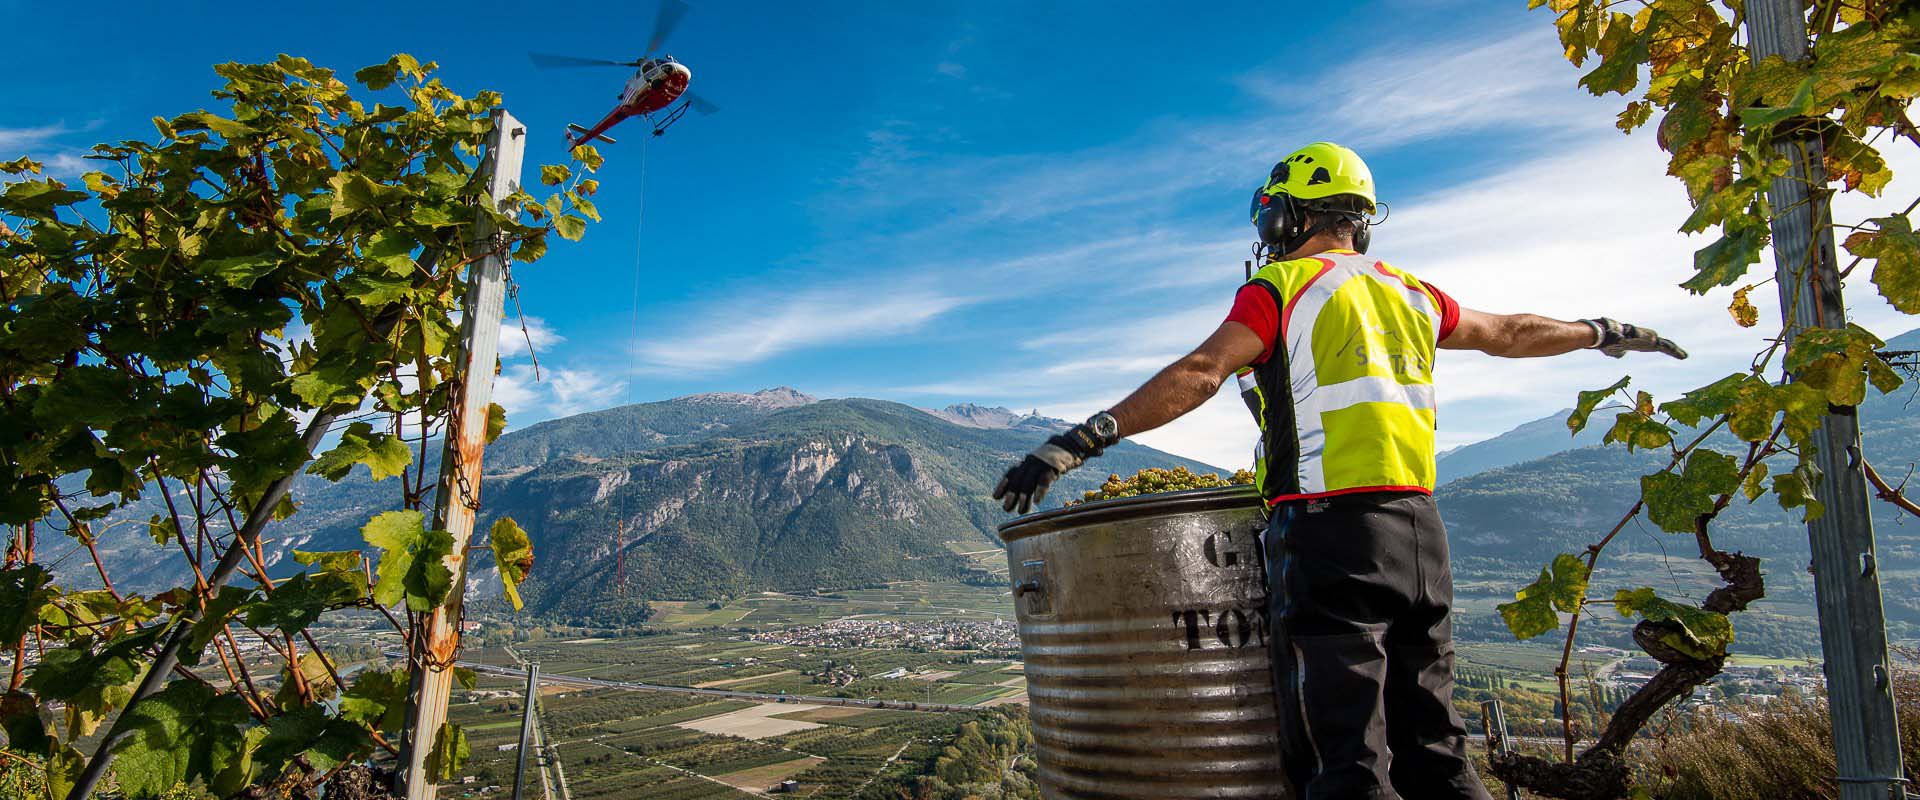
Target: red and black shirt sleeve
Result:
[[1449, 310], [1253, 307]]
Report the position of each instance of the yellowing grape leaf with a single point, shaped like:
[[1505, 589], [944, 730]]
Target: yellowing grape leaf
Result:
[[1562, 586]]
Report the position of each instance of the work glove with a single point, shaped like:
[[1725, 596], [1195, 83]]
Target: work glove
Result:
[[1026, 483], [1615, 338]]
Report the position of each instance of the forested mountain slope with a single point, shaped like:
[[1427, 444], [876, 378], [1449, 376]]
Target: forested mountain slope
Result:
[[1504, 523]]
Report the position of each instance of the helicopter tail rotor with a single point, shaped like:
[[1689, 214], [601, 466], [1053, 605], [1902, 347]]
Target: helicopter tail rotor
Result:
[[579, 134]]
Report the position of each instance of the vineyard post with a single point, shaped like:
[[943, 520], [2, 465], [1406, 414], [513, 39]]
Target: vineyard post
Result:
[[526, 727], [1493, 721], [437, 639], [1853, 632]]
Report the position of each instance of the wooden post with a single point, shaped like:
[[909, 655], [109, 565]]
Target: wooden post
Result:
[[1846, 580], [437, 638], [526, 728]]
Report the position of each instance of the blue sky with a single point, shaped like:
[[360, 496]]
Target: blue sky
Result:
[[1030, 205]]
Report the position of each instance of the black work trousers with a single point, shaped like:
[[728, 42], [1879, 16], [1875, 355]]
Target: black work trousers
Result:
[[1363, 649]]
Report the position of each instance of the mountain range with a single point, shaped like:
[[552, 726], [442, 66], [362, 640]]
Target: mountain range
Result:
[[720, 494], [702, 497]]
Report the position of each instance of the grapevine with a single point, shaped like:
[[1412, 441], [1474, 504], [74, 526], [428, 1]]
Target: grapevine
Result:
[[1721, 115], [250, 295]]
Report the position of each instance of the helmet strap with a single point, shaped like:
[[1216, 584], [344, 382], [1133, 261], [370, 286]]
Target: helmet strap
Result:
[[1323, 220]]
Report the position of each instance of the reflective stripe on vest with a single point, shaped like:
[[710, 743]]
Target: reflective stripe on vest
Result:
[[1347, 400]]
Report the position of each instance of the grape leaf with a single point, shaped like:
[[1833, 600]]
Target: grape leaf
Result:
[[1561, 587], [448, 753], [346, 562], [1701, 633], [411, 566], [298, 601], [1839, 363], [242, 770], [513, 554], [1797, 106], [1622, 50], [64, 768], [20, 720], [1745, 314], [184, 732], [496, 421], [213, 619], [385, 455], [1636, 430], [1583, 409], [1755, 484], [588, 157], [1725, 261], [92, 684], [378, 699], [326, 742], [1675, 501], [1796, 490], [24, 591]]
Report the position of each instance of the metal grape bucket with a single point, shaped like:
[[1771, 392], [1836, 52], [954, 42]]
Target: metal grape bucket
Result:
[[1143, 621]]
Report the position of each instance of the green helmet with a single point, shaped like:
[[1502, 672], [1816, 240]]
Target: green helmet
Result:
[[1317, 172]]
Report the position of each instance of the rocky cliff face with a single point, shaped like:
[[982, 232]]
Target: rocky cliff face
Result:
[[706, 496]]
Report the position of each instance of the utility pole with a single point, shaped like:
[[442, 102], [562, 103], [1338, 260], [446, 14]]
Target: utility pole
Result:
[[1853, 631], [526, 727], [438, 637]]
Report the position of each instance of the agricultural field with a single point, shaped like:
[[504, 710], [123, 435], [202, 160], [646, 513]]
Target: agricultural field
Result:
[[731, 661], [625, 743], [618, 743], [904, 600]]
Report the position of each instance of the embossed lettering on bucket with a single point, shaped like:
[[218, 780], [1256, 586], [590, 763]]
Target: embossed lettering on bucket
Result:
[[1143, 622]]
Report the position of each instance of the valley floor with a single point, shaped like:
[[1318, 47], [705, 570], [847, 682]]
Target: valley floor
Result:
[[869, 645]]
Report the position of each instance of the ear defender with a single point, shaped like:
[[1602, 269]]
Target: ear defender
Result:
[[1275, 217]]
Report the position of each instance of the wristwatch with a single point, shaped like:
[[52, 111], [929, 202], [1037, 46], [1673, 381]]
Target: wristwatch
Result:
[[1106, 427]]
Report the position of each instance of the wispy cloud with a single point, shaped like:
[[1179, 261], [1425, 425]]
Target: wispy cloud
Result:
[[42, 144], [24, 138], [1514, 79], [559, 392], [726, 335], [514, 341]]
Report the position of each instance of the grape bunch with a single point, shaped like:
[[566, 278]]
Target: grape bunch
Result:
[[1154, 480]]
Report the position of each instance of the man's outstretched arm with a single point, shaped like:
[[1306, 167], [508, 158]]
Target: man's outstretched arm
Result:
[[1187, 383], [1533, 336], [1174, 391]]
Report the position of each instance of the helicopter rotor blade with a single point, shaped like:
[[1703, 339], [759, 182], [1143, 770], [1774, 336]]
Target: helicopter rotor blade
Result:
[[553, 60], [700, 104], [669, 18]]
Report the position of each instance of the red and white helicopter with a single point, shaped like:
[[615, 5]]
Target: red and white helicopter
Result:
[[656, 85]]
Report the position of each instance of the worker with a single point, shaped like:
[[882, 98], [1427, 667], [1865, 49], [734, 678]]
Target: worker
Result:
[[1341, 351]]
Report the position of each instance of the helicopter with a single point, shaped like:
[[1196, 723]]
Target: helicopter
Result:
[[658, 82]]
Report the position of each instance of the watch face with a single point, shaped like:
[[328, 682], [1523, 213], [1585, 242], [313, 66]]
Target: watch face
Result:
[[1105, 425]]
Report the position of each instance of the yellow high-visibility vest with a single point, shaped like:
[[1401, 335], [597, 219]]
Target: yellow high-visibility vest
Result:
[[1345, 400]]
